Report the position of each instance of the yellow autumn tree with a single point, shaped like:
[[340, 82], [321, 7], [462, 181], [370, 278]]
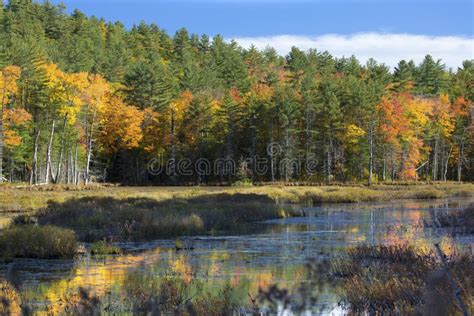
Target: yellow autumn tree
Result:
[[9, 76], [65, 92], [95, 97]]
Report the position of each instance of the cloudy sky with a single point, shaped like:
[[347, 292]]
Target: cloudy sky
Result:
[[387, 30]]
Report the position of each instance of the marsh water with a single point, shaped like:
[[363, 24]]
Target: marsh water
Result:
[[274, 252]]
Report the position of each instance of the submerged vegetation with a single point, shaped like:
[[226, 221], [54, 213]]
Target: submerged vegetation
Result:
[[102, 247], [173, 295], [144, 295]]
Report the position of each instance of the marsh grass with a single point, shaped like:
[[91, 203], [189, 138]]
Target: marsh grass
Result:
[[458, 222], [360, 193], [39, 242], [402, 279], [112, 219], [382, 280]]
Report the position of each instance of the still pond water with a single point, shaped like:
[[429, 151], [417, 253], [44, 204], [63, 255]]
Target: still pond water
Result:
[[274, 253]]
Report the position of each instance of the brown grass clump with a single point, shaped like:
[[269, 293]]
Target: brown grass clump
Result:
[[40, 242]]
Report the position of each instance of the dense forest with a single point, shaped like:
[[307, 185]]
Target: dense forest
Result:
[[85, 100]]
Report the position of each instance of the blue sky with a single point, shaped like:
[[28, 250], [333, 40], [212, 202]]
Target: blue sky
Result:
[[387, 30], [246, 18]]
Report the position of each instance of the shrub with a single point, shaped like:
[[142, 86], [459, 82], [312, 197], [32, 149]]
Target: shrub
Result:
[[41, 242]]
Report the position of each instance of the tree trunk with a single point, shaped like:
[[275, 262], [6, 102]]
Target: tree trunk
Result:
[[229, 154], [253, 151], [68, 167], [445, 175], [48, 153], [384, 168], [329, 162], [173, 149], [271, 151], [435, 159], [56, 177], [75, 174], [308, 142], [461, 156], [89, 143], [34, 167], [1, 130], [287, 154], [371, 154]]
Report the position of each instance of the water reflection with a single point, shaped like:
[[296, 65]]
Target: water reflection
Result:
[[275, 255]]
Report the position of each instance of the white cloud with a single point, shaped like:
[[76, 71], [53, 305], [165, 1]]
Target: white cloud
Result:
[[386, 48]]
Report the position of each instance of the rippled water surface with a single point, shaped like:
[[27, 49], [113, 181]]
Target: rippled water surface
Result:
[[275, 253]]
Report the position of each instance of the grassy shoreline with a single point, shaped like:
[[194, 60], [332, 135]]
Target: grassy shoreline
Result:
[[31, 199]]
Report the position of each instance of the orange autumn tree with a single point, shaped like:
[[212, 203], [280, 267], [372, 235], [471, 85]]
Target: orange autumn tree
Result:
[[161, 129], [403, 122], [121, 126]]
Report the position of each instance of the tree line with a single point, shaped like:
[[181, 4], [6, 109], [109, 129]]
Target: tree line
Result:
[[85, 100]]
